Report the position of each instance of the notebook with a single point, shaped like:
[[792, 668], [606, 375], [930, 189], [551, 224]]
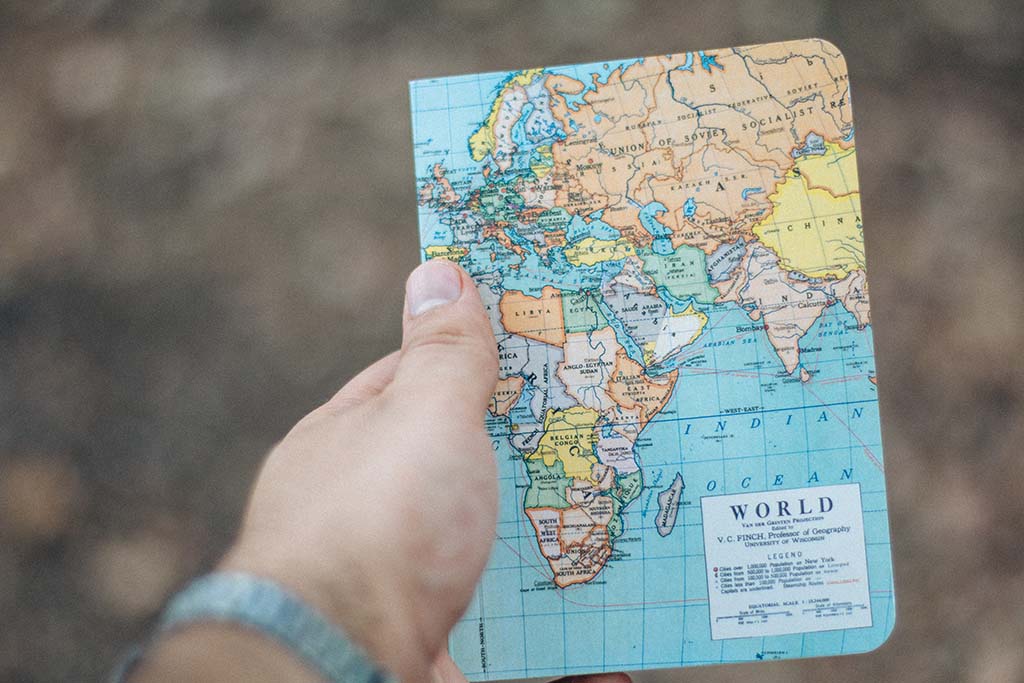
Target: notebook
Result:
[[686, 422]]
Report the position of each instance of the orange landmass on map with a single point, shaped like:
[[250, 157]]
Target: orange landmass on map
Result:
[[537, 318], [531, 214], [574, 540], [554, 238], [787, 307], [667, 130], [632, 389], [448, 194], [496, 230], [853, 292], [506, 393]]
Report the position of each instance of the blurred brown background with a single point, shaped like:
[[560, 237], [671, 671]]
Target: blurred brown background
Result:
[[207, 213]]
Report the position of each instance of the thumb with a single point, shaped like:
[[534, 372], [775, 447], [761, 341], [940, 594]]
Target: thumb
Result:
[[448, 349]]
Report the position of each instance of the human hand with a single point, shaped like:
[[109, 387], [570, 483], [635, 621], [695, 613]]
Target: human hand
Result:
[[380, 506]]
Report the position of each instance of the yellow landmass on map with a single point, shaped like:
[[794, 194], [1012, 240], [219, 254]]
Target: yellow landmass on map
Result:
[[452, 253], [591, 251], [542, 165], [677, 331], [482, 142], [834, 171], [569, 436], [814, 226]]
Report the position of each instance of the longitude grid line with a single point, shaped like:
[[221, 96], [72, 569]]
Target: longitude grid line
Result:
[[452, 139], [442, 83], [803, 637], [481, 593], [679, 444], [855, 188], [550, 372], [515, 467], [849, 441], [604, 596], [721, 446], [807, 447], [764, 428]]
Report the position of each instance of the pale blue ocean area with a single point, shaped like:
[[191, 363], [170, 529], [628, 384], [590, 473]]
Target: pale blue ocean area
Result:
[[587, 74], [661, 233], [814, 145], [597, 228], [689, 207]]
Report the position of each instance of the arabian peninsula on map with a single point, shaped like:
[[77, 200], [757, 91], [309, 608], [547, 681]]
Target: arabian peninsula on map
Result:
[[686, 422]]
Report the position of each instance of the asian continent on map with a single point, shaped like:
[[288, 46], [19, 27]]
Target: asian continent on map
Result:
[[654, 240]]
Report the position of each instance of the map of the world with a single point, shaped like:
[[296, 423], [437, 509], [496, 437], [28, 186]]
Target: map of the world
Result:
[[671, 252]]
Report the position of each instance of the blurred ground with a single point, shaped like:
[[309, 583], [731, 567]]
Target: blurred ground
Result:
[[207, 214]]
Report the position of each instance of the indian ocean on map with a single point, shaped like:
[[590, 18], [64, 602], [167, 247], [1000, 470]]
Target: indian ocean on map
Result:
[[672, 255]]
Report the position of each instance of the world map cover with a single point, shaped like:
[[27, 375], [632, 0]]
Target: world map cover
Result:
[[686, 421]]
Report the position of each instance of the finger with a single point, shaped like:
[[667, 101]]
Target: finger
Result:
[[445, 670], [367, 383], [448, 349]]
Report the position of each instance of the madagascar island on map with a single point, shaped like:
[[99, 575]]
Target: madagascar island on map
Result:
[[671, 253]]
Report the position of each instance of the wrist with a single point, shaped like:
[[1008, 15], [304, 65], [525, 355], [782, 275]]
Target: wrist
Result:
[[348, 596], [211, 652]]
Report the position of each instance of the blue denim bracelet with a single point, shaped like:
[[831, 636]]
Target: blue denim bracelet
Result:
[[264, 606]]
